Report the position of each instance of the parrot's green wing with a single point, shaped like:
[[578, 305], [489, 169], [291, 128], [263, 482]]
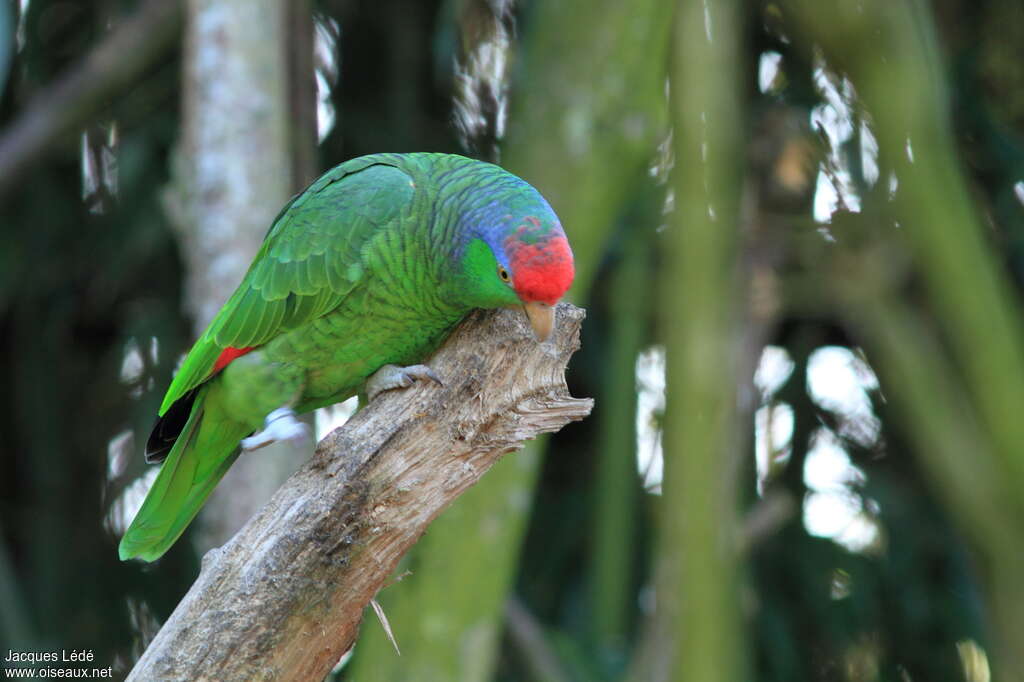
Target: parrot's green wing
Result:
[[311, 259]]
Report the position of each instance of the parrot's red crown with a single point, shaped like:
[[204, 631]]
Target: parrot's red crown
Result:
[[541, 271]]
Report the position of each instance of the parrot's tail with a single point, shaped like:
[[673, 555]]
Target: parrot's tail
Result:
[[204, 451]]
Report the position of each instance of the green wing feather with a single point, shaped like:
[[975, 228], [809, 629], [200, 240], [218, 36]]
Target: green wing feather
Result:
[[311, 259]]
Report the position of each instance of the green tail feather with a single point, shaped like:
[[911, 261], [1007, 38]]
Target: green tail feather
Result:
[[204, 451]]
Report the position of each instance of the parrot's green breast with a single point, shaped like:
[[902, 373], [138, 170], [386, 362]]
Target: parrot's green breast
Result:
[[340, 350]]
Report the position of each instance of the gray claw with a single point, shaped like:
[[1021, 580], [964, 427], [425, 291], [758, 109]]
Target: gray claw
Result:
[[393, 376]]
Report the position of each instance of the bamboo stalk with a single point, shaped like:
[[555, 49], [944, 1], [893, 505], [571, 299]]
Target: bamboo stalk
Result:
[[698, 587]]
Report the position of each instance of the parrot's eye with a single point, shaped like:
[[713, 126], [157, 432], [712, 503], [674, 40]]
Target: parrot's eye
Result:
[[503, 273]]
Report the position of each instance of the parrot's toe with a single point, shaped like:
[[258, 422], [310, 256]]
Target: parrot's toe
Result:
[[393, 376], [280, 425]]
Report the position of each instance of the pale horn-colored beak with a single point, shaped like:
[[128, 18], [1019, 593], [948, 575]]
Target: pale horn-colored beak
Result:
[[542, 319]]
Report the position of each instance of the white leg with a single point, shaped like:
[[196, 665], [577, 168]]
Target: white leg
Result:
[[280, 424], [393, 376]]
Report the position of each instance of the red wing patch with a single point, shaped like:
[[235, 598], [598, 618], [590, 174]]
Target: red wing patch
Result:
[[227, 355]]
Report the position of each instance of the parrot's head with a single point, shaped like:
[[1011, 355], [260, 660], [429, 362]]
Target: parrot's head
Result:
[[518, 255]]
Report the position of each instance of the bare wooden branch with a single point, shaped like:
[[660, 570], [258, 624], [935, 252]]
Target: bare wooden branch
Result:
[[283, 599]]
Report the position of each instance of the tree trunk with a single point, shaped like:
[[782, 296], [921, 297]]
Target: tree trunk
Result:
[[240, 159], [284, 598]]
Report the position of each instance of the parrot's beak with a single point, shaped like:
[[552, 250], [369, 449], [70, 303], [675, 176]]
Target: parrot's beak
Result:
[[542, 318]]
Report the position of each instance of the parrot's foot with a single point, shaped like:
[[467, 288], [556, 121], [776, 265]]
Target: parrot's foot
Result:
[[280, 424], [393, 376]]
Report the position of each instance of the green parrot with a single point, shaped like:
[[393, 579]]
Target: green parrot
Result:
[[360, 277]]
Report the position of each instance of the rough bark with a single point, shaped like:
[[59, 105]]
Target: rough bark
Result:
[[283, 599], [234, 172]]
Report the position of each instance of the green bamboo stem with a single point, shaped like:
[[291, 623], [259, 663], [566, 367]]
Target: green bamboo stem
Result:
[[963, 410], [616, 480], [956, 454], [698, 589], [901, 83]]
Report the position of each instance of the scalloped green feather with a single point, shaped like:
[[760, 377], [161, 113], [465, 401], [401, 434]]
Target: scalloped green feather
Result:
[[311, 260]]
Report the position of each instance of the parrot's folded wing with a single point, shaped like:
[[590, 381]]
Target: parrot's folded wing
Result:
[[311, 259]]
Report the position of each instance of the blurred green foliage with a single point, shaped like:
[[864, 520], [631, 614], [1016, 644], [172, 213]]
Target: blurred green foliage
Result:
[[917, 269]]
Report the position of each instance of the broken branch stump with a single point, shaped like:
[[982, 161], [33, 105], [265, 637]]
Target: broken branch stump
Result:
[[283, 599]]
